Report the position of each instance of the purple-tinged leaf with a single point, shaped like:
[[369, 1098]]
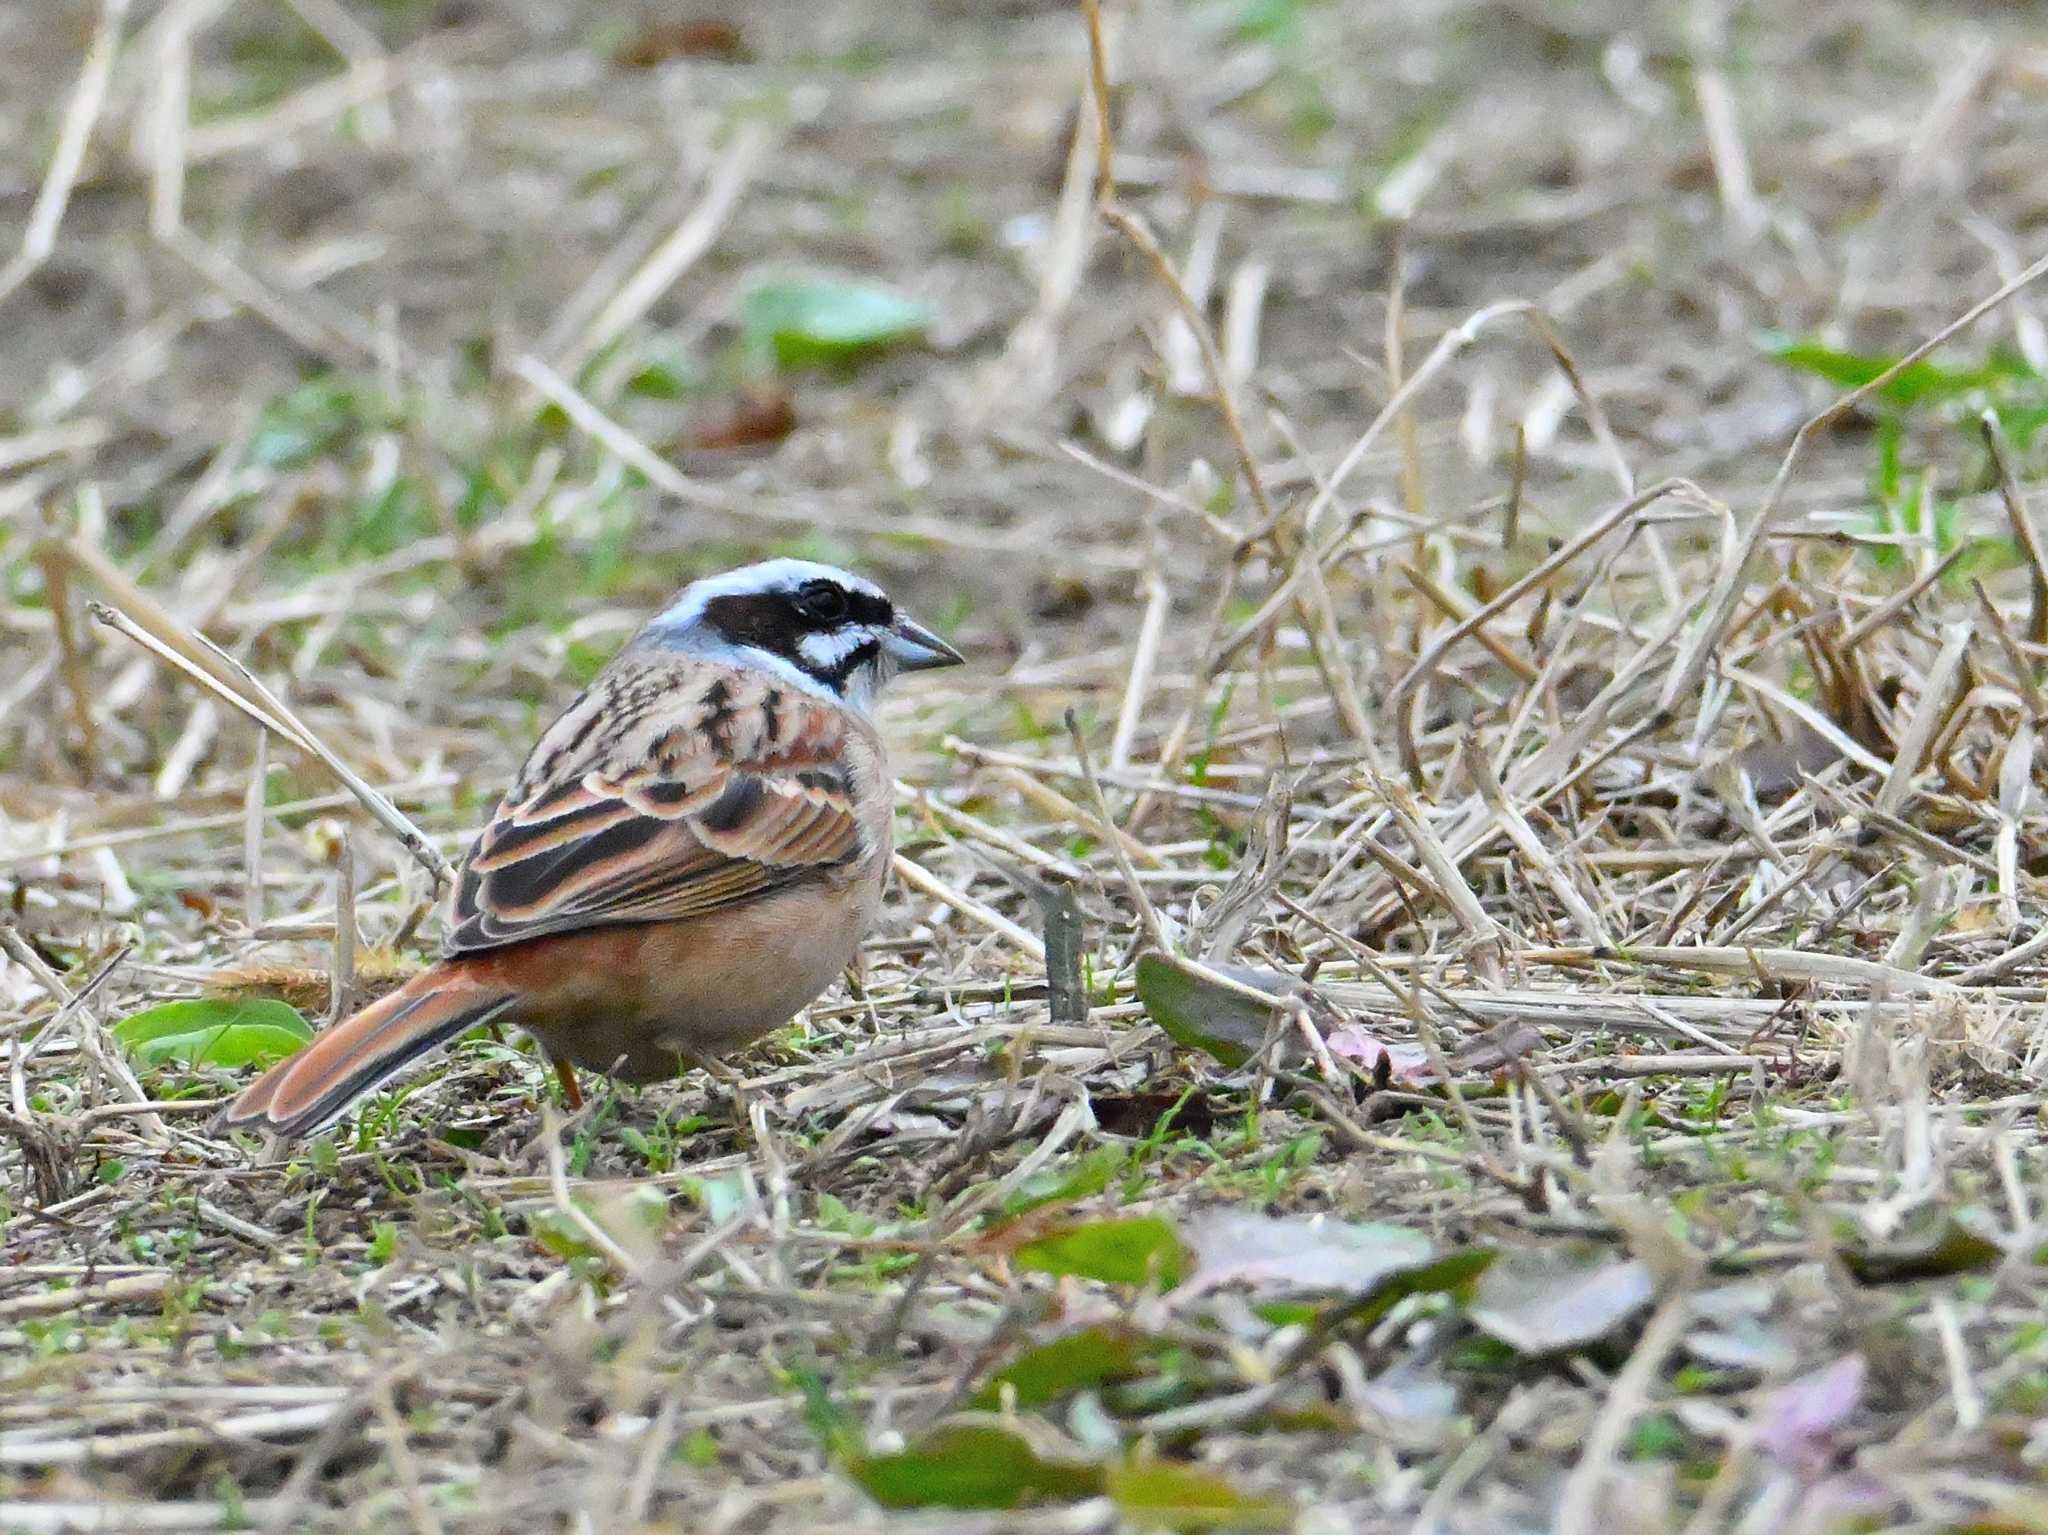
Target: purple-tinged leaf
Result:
[[1800, 1422]]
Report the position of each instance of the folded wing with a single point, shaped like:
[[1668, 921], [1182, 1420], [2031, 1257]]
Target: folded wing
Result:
[[649, 803]]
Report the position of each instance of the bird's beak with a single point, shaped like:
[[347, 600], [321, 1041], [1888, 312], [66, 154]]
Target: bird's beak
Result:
[[916, 649]]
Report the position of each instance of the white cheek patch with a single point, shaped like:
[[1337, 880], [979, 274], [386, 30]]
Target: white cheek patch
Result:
[[823, 653]]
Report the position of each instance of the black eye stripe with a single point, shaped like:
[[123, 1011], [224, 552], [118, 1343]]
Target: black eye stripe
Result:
[[761, 619], [871, 608]]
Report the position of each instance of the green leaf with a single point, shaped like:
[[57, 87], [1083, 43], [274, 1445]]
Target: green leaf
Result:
[[1546, 1300], [313, 419], [2023, 422], [213, 1031], [719, 1198], [1159, 1494], [1924, 380], [559, 1236], [808, 323], [1451, 1273], [972, 1464], [1077, 1361], [1132, 1249], [663, 371], [1890, 482], [833, 1424], [1290, 1313], [1077, 1178], [1948, 1247], [1227, 1022], [1659, 1436]]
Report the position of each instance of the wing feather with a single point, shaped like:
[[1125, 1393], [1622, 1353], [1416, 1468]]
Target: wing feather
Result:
[[648, 802]]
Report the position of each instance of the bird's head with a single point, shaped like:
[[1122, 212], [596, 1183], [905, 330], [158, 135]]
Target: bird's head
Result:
[[825, 629]]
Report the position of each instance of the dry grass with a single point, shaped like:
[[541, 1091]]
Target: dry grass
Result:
[[1371, 453]]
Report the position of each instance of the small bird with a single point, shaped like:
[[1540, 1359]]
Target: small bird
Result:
[[691, 853]]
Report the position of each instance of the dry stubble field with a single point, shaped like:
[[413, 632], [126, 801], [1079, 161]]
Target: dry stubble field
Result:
[[1555, 1040]]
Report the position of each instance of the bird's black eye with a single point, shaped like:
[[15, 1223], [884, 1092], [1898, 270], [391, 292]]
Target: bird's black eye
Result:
[[822, 602]]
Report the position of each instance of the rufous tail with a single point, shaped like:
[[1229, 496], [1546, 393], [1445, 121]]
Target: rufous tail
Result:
[[311, 1089]]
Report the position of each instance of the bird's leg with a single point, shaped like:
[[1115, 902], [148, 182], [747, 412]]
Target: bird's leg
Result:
[[572, 1091]]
